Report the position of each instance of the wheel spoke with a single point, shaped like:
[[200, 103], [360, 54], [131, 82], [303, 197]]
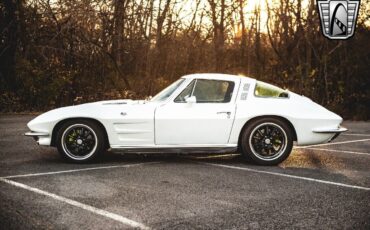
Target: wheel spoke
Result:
[[267, 131], [259, 132]]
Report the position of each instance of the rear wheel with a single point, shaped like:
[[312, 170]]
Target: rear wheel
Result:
[[80, 141], [267, 141]]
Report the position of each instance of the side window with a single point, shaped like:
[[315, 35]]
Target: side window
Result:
[[185, 93], [213, 91], [266, 90]]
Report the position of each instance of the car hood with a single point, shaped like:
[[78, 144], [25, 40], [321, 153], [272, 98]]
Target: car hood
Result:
[[87, 110], [116, 102]]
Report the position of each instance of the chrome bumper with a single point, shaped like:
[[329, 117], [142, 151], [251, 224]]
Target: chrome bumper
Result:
[[42, 138], [337, 130], [36, 134]]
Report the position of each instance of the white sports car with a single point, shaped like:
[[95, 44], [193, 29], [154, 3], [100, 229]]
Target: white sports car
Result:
[[197, 113]]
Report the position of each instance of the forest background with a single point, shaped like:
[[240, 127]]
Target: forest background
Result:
[[62, 52]]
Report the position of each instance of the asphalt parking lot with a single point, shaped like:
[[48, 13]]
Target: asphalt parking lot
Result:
[[324, 187]]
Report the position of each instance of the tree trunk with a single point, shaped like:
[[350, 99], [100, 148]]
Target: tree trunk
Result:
[[8, 43], [118, 36], [218, 34], [243, 41]]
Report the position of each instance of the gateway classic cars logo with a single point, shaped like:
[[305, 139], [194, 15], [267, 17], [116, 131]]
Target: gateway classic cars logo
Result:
[[338, 17]]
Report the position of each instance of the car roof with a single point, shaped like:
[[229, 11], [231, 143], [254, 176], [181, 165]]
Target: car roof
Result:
[[217, 76]]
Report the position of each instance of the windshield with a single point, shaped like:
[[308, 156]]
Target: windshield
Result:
[[164, 94]]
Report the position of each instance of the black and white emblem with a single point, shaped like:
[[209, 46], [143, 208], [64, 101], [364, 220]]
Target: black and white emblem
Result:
[[338, 17]]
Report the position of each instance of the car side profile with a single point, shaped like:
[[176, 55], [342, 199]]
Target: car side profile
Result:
[[213, 113]]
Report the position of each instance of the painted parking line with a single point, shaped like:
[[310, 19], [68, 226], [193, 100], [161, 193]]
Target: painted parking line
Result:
[[339, 151], [101, 212], [355, 134], [332, 143], [76, 170], [290, 176], [218, 156]]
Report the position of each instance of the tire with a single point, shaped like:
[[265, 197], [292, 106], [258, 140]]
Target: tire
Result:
[[80, 141], [267, 141]]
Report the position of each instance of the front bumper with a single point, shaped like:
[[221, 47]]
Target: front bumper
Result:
[[36, 134], [42, 138]]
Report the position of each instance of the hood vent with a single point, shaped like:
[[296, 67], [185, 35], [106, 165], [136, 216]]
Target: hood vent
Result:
[[115, 103]]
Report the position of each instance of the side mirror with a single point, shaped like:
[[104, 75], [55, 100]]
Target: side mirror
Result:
[[191, 99]]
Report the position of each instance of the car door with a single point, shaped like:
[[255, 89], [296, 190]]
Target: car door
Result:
[[202, 114]]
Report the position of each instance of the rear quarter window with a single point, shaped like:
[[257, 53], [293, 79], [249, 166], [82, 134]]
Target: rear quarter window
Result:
[[263, 89]]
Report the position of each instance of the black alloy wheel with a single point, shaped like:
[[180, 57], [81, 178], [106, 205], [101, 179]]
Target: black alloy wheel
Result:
[[267, 141], [80, 141]]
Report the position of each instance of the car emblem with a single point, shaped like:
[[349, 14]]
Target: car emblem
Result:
[[338, 17]]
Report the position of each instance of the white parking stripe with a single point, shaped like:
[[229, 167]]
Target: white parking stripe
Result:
[[333, 143], [74, 203], [291, 176], [218, 156], [355, 134], [77, 170], [339, 151]]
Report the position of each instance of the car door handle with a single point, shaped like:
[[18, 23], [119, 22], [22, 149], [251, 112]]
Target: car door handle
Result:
[[226, 112], [221, 112]]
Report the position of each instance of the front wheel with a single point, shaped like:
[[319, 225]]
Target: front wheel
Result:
[[267, 141], [80, 141]]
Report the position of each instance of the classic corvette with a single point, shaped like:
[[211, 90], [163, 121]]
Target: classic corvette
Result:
[[197, 113]]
